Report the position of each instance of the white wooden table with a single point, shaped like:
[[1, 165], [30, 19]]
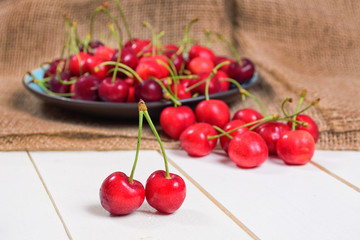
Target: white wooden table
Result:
[[55, 195]]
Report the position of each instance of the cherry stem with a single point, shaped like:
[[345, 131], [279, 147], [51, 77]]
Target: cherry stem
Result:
[[263, 120], [213, 72], [148, 118], [186, 40], [153, 37], [172, 74], [119, 51], [302, 97], [66, 35], [127, 68], [172, 97], [222, 131], [207, 34], [232, 48], [125, 21], [40, 83], [58, 70], [248, 94], [141, 117]]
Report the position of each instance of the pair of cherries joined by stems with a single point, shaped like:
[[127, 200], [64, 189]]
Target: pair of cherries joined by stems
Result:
[[164, 191]]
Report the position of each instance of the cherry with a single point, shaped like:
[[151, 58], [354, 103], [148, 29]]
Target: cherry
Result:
[[247, 115], [213, 111], [93, 45], [113, 91], [96, 68], [165, 194], [248, 150], [86, 88], [225, 140], [312, 127], [241, 72], [220, 75], [120, 197], [150, 67], [53, 68], [141, 46], [128, 57], [181, 91], [201, 51], [149, 90], [194, 139], [214, 84], [131, 96], [75, 67], [220, 59], [271, 132], [56, 86], [104, 52], [177, 59], [171, 47], [174, 120], [296, 147], [199, 65]]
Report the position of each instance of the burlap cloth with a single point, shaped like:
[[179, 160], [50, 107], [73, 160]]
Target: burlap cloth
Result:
[[295, 45]]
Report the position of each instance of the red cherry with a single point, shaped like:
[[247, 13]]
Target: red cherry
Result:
[[248, 150], [86, 88], [53, 68], [225, 85], [113, 91], [312, 128], [271, 132], [201, 51], [241, 73], [171, 47], [224, 140], [215, 112], [214, 85], [149, 91], [128, 57], [174, 120], [163, 194], [199, 65], [131, 96], [93, 45], [296, 147], [94, 65], [194, 139], [220, 59], [142, 46], [120, 197], [74, 66], [104, 52], [248, 115], [177, 60], [181, 91], [56, 86], [149, 67]]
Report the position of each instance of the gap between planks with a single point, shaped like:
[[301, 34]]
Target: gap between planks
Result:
[[49, 195]]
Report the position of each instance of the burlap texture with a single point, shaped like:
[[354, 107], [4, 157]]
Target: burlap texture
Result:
[[309, 45]]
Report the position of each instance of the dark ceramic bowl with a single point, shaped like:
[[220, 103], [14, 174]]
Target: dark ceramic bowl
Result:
[[120, 110]]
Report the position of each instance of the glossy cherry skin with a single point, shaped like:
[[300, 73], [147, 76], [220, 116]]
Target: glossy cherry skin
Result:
[[149, 67], [128, 57], [199, 65], [120, 197], [271, 132], [131, 96], [110, 91], [93, 45], [94, 65], [201, 51], [149, 91], [181, 91], [248, 115], [225, 140], [141, 46], [313, 129], [86, 88], [194, 139], [56, 86], [296, 147], [214, 84], [248, 150], [220, 59], [104, 52], [242, 73], [174, 120], [74, 66], [215, 112], [221, 75], [165, 195]]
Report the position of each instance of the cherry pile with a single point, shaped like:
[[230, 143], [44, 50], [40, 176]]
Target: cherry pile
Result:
[[164, 191], [249, 136], [140, 68]]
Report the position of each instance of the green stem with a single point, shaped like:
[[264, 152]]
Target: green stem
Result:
[[147, 116], [119, 51], [141, 117], [172, 97], [66, 36], [222, 131], [283, 106], [129, 69], [213, 72], [124, 20], [232, 48], [302, 97], [248, 94]]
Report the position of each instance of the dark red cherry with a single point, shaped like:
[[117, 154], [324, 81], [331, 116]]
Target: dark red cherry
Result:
[[149, 91], [128, 57], [56, 86], [113, 91], [86, 88], [241, 73]]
